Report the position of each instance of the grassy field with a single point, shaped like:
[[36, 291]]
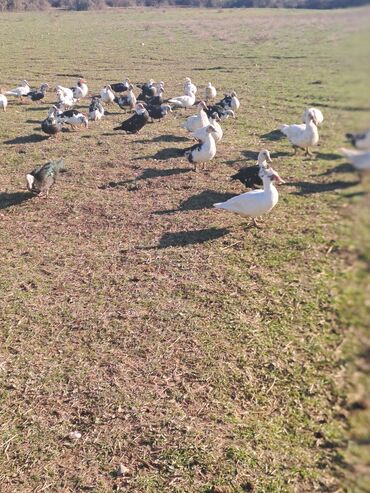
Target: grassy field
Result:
[[201, 356]]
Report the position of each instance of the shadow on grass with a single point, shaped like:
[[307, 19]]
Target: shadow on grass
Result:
[[34, 121], [341, 168], [163, 154], [274, 135], [38, 108], [27, 139], [15, 198], [185, 238], [164, 138], [307, 188], [354, 194], [203, 200], [147, 174], [328, 156], [253, 156]]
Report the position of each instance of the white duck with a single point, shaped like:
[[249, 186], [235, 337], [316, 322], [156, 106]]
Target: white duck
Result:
[[235, 103], [206, 151], [359, 159], [361, 140], [22, 90], [189, 86], [304, 135], [257, 202], [210, 92], [319, 117], [65, 91], [65, 100], [201, 133], [200, 120], [3, 100], [185, 101], [107, 95], [81, 90], [96, 110]]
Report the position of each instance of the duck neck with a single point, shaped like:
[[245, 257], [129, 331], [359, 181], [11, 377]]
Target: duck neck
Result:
[[267, 183]]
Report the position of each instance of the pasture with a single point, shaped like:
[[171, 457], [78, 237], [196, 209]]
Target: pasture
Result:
[[203, 356]]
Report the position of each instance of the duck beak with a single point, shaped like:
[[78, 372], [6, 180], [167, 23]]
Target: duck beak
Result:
[[269, 160]]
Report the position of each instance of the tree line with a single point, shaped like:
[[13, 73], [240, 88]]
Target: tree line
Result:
[[100, 4]]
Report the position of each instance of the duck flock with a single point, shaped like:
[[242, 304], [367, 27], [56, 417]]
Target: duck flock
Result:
[[205, 127]]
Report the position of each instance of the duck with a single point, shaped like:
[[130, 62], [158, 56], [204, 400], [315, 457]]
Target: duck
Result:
[[200, 134], [51, 126], [65, 100], [319, 117], [3, 100], [222, 112], [81, 90], [74, 118], [185, 101], [210, 92], [120, 86], [158, 99], [360, 160], [128, 99], [192, 123], [250, 175], [304, 135], [235, 103], [157, 112], [204, 152], [65, 91], [96, 109], [38, 94], [189, 86], [255, 203], [360, 140], [107, 95], [136, 122], [148, 90], [19, 92], [42, 178], [230, 101]]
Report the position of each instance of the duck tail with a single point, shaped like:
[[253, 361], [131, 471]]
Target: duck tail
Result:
[[351, 138], [219, 205], [58, 165], [117, 128], [283, 128]]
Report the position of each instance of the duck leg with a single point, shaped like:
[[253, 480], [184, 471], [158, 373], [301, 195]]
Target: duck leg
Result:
[[295, 150], [308, 152], [255, 223]]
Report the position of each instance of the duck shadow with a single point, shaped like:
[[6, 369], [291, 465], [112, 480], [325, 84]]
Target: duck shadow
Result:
[[14, 198], [168, 153], [147, 174], [354, 194], [329, 156], [341, 168], [34, 121], [274, 135], [186, 238], [253, 156], [203, 200], [170, 138], [307, 188], [27, 139], [38, 108]]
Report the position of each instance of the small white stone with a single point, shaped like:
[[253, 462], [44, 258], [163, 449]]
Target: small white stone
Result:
[[75, 435], [122, 470]]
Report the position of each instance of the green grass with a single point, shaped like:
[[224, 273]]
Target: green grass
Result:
[[201, 356]]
